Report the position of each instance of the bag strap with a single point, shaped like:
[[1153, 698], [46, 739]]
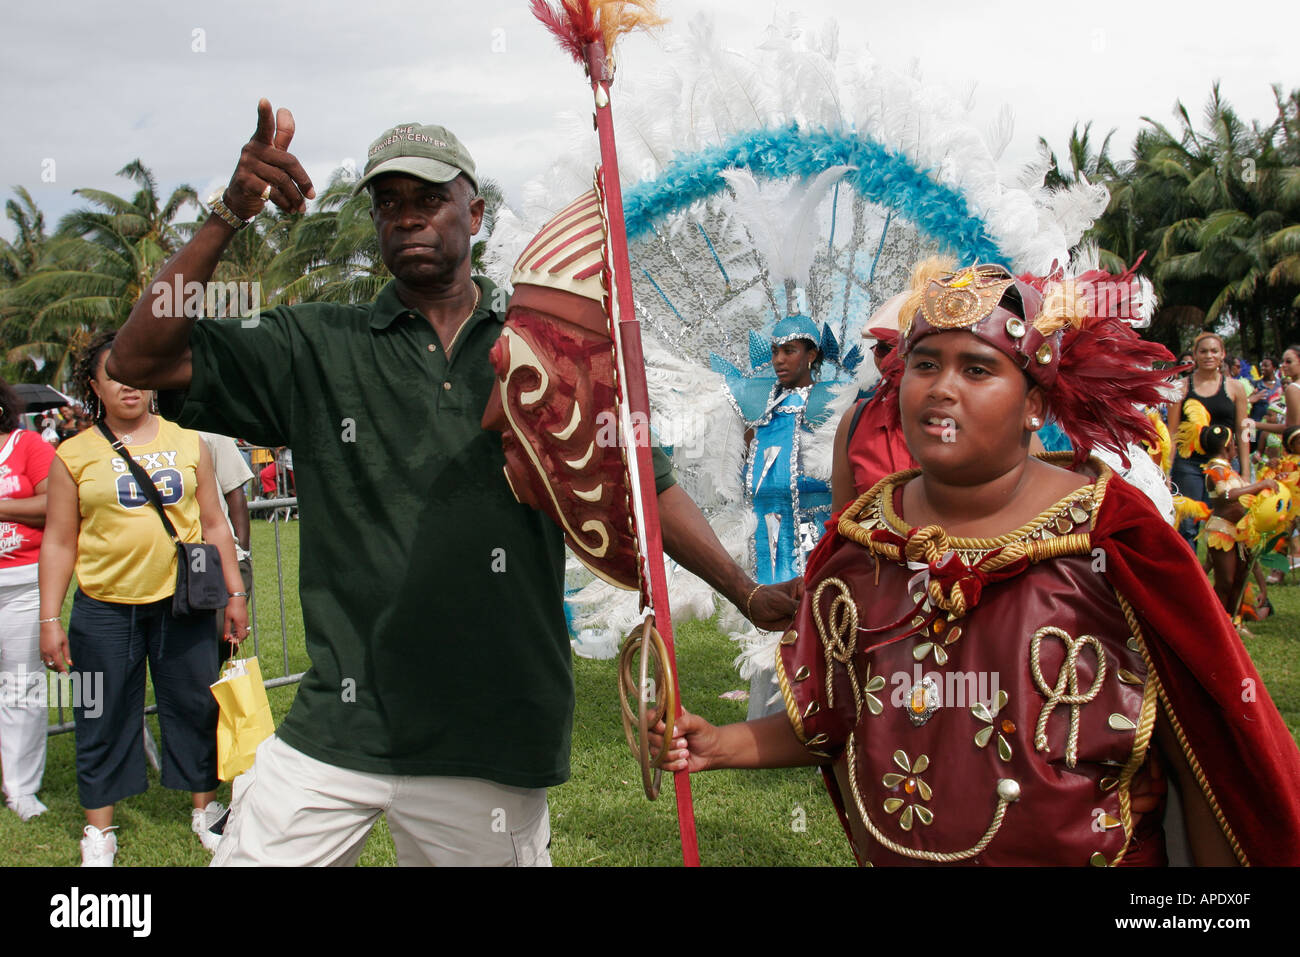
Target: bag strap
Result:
[[142, 479], [11, 443], [853, 423]]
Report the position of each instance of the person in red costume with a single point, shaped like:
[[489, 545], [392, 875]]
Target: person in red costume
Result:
[[868, 443], [986, 662]]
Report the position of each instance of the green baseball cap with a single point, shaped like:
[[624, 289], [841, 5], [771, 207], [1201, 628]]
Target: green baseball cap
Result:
[[431, 153]]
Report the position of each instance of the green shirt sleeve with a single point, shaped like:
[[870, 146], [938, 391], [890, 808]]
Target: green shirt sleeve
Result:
[[241, 380], [665, 477]]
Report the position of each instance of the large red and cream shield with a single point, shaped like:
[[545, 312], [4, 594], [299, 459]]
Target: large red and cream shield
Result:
[[556, 403]]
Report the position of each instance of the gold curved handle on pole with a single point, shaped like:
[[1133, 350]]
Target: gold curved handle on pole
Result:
[[647, 641]]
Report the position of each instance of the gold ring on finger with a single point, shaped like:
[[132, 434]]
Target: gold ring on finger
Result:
[[266, 193]]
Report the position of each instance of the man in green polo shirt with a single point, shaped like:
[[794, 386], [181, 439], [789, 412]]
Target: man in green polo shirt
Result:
[[440, 689]]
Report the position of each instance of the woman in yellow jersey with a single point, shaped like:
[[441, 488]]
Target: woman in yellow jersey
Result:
[[99, 522]]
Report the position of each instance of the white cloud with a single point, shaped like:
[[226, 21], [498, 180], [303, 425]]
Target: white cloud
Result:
[[94, 86]]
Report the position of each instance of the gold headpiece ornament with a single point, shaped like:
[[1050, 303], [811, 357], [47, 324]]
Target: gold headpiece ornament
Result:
[[925, 272], [964, 298]]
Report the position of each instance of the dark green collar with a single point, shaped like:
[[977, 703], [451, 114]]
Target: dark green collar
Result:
[[388, 306]]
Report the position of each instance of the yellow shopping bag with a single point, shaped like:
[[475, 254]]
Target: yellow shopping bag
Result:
[[245, 720]]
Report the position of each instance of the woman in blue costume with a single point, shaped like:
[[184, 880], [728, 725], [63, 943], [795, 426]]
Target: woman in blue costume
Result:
[[791, 507]]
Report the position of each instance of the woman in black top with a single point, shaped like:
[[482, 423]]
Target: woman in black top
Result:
[[1224, 399]]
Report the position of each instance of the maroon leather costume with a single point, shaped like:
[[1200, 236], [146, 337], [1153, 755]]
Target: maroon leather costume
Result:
[[1041, 768], [966, 740]]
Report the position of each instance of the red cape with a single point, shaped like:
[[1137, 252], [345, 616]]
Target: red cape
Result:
[[1235, 741]]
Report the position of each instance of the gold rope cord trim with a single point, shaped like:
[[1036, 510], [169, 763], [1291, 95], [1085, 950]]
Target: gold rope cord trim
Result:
[[940, 857], [1100, 487], [1141, 740], [839, 638], [931, 542], [1001, 541], [1154, 678], [1066, 690], [791, 707]]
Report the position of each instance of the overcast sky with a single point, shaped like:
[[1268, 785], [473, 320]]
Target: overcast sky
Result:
[[90, 86]]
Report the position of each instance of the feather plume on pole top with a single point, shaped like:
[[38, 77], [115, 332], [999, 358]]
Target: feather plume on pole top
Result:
[[577, 24]]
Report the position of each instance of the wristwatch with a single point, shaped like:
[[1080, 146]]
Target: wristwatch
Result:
[[217, 204]]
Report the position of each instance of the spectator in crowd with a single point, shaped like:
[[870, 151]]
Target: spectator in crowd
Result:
[[1289, 429], [1224, 399], [66, 425], [24, 465], [268, 476], [99, 521], [232, 474], [868, 446], [1266, 390]]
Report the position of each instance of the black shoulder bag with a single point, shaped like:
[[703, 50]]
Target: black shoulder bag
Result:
[[200, 583]]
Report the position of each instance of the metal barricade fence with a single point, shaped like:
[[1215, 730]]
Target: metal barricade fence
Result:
[[281, 508], [274, 505]]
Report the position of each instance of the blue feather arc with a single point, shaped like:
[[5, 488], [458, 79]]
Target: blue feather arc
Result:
[[882, 176]]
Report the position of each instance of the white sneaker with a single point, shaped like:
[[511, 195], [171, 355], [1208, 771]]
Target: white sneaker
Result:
[[201, 822], [98, 847], [27, 807]]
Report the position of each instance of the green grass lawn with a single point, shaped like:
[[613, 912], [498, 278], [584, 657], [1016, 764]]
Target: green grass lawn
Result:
[[600, 817]]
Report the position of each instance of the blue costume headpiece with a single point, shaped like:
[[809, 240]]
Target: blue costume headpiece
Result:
[[796, 327]]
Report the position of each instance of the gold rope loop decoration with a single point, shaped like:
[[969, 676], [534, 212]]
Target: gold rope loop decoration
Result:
[[647, 640], [1066, 689], [927, 545], [839, 636], [787, 696], [883, 493], [954, 603]]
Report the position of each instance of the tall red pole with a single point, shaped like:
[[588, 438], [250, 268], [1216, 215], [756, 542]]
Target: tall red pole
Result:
[[638, 400]]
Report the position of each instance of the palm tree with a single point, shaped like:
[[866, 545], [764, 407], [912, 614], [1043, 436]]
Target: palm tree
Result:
[[1242, 196], [19, 259], [97, 265], [331, 254], [1084, 163], [1210, 208], [493, 199]]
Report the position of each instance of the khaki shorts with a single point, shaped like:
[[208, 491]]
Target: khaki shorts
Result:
[[291, 810]]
